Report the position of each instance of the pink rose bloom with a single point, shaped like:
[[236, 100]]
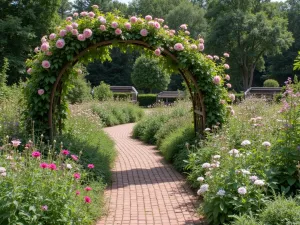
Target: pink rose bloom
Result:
[[201, 40], [69, 18], [144, 32], [48, 53], [91, 166], [84, 13], [114, 24], [128, 26], [102, 27], [151, 23], [157, 25], [157, 52], [173, 31], [37, 49], [102, 19], [46, 64], [60, 43], [179, 47], [226, 66], [232, 97], [76, 176], [183, 26], [88, 188], [91, 14], [222, 101], [160, 20], [201, 47], [187, 32], [41, 91], [166, 26], [52, 166], [62, 33], [228, 85], [118, 31], [75, 32], [43, 39], [75, 14], [87, 199], [65, 152], [95, 6], [148, 17], [81, 37], [133, 19], [227, 77], [36, 154], [75, 25], [77, 193], [16, 143], [29, 70], [52, 36], [210, 57], [44, 165], [217, 80], [226, 55], [69, 28], [87, 33], [74, 157], [193, 46], [45, 46], [216, 57]]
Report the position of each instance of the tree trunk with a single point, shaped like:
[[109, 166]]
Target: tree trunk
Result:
[[248, 74]]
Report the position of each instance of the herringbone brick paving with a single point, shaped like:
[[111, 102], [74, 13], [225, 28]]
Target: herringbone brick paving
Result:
[[145, 189]]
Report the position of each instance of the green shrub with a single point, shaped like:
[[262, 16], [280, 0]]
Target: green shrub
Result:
[[271, 83], [103, 92], [245, 220], [122, 96], [146, 99], [81, 91]]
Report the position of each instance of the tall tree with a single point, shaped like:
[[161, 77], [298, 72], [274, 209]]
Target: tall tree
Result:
[[249, 30], [65, 8]]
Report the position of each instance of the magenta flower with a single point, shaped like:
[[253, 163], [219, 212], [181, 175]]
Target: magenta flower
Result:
[[36, 154], [217, 80], [179, 47], [144, 32], [44, 165], [74, 157], [87, 33], [76, 176], [114, 24], [52, 36], [118, 31], [65, 152], [62, 33], [201, 47], [52, 166], [102, 27], [46, 64], [88, 188], [127, 26], [148, 17], [41, 91], [81, 37], [133, 19], [45, 46], [87, 199], [91, 166], [157, 25], [157, 52], [60, 43]]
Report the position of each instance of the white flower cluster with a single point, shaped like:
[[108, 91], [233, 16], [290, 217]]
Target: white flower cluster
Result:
[[200, 179], [242, 190], [234, 152], [245, 142], [2, 172], [203, 188], [221, 192]]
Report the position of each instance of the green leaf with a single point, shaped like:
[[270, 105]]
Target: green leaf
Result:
[[291, 181]]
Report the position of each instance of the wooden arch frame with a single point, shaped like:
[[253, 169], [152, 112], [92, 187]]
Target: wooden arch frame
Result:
[[195, 92]]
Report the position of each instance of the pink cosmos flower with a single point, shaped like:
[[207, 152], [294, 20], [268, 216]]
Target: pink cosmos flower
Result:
[[187, 32], [114, 24], [46, 64], [87, 199], [29, 71], [201, 47], [45, 46], [41, 91], [76, 176], [52, 166], [91, 166], [75, 32], [15, 143], [95, 6], [77, 193], [157, 52], [166, 26], [88, 188], [81, 37], [75, 25], [226, 66], [75, 14], [118, 31], [217, 80], [102, 27], [144, 32], [228, 85], [44, 208], [52, 36], [193, 46], [102, 19], [84, 13], [227, 77], [44, 165], [128, 26], [201, 40], [183, 26], [36, 154], [62, 33], [69, 28], [87, 33], [156, 25], [179, 47], [69, 18], [226, 54], [160, 20], [133, 19], [65, 152], [91, 14], [148, 17], [37, 49], [74, 157], [60, 43]]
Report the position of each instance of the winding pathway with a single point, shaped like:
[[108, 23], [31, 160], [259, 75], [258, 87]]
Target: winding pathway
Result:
[[145, 189]]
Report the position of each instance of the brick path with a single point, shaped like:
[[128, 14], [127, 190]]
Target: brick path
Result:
[[145, 189]]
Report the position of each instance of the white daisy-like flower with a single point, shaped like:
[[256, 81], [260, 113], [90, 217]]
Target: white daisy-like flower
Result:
[[242, 190], [259, 182], [207, 129], [245, 142], [221, 192], [266, 144], [69, 166], [206, 165]]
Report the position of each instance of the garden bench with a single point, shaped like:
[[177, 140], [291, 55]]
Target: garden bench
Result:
[[269, 92], [169, 95], [126, 89]]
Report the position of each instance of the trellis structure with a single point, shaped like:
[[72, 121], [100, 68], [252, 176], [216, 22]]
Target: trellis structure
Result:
[[89, 38]]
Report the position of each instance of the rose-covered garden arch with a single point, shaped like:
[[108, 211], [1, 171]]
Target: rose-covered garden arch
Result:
[[85, 37]]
